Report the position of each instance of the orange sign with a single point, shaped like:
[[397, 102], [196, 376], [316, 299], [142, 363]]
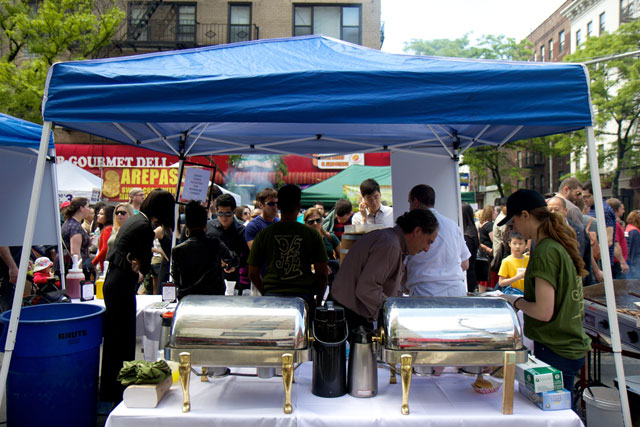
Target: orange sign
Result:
[[117, 182]]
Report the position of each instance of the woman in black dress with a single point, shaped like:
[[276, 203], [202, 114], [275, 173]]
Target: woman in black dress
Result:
[[485, 252], [130, 258]]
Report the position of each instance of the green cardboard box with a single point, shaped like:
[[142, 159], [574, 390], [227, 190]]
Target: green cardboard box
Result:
[[538, 377]]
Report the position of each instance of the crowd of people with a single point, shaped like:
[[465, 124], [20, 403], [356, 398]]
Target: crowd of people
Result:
[[539, 251]]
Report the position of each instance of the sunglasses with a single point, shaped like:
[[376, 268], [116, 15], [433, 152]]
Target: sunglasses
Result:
[[314, 221], [121, 212], [227, 214], [272, 204]]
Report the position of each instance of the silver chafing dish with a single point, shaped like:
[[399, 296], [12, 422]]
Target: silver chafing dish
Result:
[[447, 331], [220, 331]]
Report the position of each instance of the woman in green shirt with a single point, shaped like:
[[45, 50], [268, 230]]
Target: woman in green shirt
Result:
[[552, 304]]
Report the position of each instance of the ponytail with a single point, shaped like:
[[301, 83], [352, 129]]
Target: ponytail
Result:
[[555, 226]]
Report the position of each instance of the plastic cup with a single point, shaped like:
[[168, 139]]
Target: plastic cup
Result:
[[231, 285]]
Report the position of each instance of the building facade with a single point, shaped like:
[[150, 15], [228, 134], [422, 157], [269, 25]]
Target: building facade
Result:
[[178, 24]]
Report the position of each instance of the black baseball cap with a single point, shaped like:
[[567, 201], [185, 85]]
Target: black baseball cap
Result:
[[522, 200]]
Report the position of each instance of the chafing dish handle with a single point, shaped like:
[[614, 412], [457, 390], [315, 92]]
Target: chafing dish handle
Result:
[[287, 378], [185, 375], [405, 371], [507, 385]]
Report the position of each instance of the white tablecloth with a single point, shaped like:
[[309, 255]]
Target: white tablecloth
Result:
[[434, 401]]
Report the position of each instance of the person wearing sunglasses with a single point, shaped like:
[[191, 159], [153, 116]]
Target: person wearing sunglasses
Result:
[[198, 264], [226, 228], [121, 213], [267, 201], [313, 219], [288, 250]]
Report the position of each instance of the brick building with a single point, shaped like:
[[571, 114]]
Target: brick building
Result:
[[177, 24]]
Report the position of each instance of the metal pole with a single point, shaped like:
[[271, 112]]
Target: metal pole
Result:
[[612, 313], [24, 258]]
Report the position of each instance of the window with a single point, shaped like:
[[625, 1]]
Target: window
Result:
[[526, 183], [542, 189], [589, 29], [239, 22], [550, 50], [602, 30], [340, 22], [175, 22], [561, 41], [519, 159], [542, 53], [535, 56], [186, 23], [578, 38], [533, 182]]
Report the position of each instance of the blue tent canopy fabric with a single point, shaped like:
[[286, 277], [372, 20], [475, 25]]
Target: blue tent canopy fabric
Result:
[[313, 94], [19, 133]]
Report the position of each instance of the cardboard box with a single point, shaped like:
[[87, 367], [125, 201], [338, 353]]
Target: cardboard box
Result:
[[538, 376], [548, 400]]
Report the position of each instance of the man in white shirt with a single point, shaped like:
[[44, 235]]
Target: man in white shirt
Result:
[[371, 210], [441, 271]]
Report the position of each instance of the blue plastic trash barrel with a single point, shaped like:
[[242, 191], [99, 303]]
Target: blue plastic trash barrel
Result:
[[53, 376]]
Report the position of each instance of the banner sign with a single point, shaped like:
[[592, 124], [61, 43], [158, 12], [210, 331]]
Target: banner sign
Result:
[[340, 162], [117, 182]]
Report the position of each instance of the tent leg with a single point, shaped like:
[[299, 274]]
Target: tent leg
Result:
[[24, 258], [177, 210], [458, 195], [54, 179], [606, 268]]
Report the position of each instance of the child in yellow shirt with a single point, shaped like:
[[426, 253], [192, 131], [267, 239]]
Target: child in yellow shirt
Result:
[[513, 267]]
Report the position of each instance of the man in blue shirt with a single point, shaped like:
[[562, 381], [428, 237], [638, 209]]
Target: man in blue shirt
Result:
[[267, 200]]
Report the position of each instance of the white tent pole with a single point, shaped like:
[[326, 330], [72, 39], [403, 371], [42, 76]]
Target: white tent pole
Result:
[[56, 209], [24, 258], [606, 268], [176, 214], [456, 159]]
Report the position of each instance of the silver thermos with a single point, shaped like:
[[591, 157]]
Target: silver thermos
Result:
[[363, 368]]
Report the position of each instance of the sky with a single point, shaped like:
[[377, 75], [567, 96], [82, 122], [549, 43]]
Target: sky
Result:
[[450, 19]]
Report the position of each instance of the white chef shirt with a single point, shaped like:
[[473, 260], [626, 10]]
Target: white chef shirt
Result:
[[438, 271]]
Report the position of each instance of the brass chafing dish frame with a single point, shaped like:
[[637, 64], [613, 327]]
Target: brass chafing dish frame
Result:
[[264, 354], [457, 356]]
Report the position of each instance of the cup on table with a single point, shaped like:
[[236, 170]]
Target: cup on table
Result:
[[231, 285]]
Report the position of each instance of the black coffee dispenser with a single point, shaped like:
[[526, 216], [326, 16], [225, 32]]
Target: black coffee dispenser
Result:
[[330, 332]]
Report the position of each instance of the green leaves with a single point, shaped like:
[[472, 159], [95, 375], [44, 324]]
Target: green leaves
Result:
[[59, 30]]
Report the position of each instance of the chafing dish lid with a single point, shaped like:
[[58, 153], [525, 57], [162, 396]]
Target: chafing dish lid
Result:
[[223, 321], [450, 323]]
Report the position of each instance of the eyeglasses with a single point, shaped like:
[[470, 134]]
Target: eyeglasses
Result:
[[272, 204], [314, 221], [121, 212], [227, 214]]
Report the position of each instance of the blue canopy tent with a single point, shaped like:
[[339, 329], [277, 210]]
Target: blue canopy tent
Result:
[[319, 95]]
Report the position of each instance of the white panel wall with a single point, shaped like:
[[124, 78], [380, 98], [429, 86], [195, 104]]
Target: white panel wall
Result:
[[408, 170], [16, 175]]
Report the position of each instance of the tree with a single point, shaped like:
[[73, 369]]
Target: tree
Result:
[[615, 94], [499, 163], [57, 30]]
